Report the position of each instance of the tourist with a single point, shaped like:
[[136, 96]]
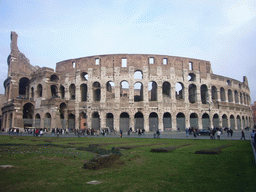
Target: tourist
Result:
[[121, 133], [218, 134], [243, 136]]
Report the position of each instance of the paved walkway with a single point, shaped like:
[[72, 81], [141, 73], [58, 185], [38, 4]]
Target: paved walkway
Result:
[[166, 134]]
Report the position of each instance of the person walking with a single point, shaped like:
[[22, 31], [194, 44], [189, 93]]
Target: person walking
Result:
[[218, 134], [243, 136]]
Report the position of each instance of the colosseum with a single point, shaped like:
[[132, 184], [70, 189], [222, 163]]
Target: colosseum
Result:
[[120, 91]]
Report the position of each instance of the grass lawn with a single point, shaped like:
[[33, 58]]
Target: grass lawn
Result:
[[38, 166]]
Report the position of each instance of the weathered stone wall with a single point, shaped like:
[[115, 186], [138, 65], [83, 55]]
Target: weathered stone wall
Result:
[[121, 91]]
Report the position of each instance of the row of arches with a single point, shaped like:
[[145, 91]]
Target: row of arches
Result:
[[150, 122], [152, 87]]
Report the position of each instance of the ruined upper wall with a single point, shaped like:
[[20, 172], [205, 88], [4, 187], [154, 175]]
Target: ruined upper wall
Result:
[[138, 61], [17, 61]]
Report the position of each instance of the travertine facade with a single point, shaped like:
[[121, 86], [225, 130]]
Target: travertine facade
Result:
[[121, 91]]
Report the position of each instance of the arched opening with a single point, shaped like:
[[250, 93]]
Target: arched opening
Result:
[[206, 121], [222, 94], [191, 77], [96, 91], [24, 88], [47, 120], [138, 75], [96, 121], [152, 91], [228, 82], [192, 93], [181, 124], [216, 120], [71, 122], [63, 111], [32, 93], [194, 120], [83, 90], [204, 94], [230, 96], [39, 90], [238, 119], [110, 121], [124, 90], [236, 97], [37, 121], [153, 122], [138, 92], [138, 121], [241, 98], [28, 113], [83, 121], [54, 91], [72, 92], [124, 122], [84, 76], [54, 78], [224, 121], [166, 89], [243, 121], [167, 120], [110, 90], [179, 91], [62, 92], [214, 93], [232, 122]]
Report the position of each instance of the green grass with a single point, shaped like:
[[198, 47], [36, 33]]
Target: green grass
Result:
[[59, 167]]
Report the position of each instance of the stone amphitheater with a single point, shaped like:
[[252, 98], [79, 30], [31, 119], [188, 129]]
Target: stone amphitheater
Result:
[[120, 91]]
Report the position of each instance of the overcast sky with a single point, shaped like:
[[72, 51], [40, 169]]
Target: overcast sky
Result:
[[220, 31]]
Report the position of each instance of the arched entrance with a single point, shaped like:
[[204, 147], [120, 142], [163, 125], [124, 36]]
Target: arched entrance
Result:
[[138, 121], [167, 120], [153, 122], [224, 121], [181, 124], [232, 122], [71, 121], [96, 121], [37, 120], [47, 120], [28, 113], [124, 123], [206, 121], [110, 121], [216, 120], [83, 121], [194, 120]]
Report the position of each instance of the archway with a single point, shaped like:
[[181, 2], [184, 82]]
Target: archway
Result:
[[47, 120], [37, 121], [167, 120], [206, 121], [238, 119], [216, 120], [110, 121], [232, 122], [96, 121], [71, 121], [124, 122], [138, 121], [28, 113], [180, 118], [194, 120], [83, 121], [224, 121], [153, 122]]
